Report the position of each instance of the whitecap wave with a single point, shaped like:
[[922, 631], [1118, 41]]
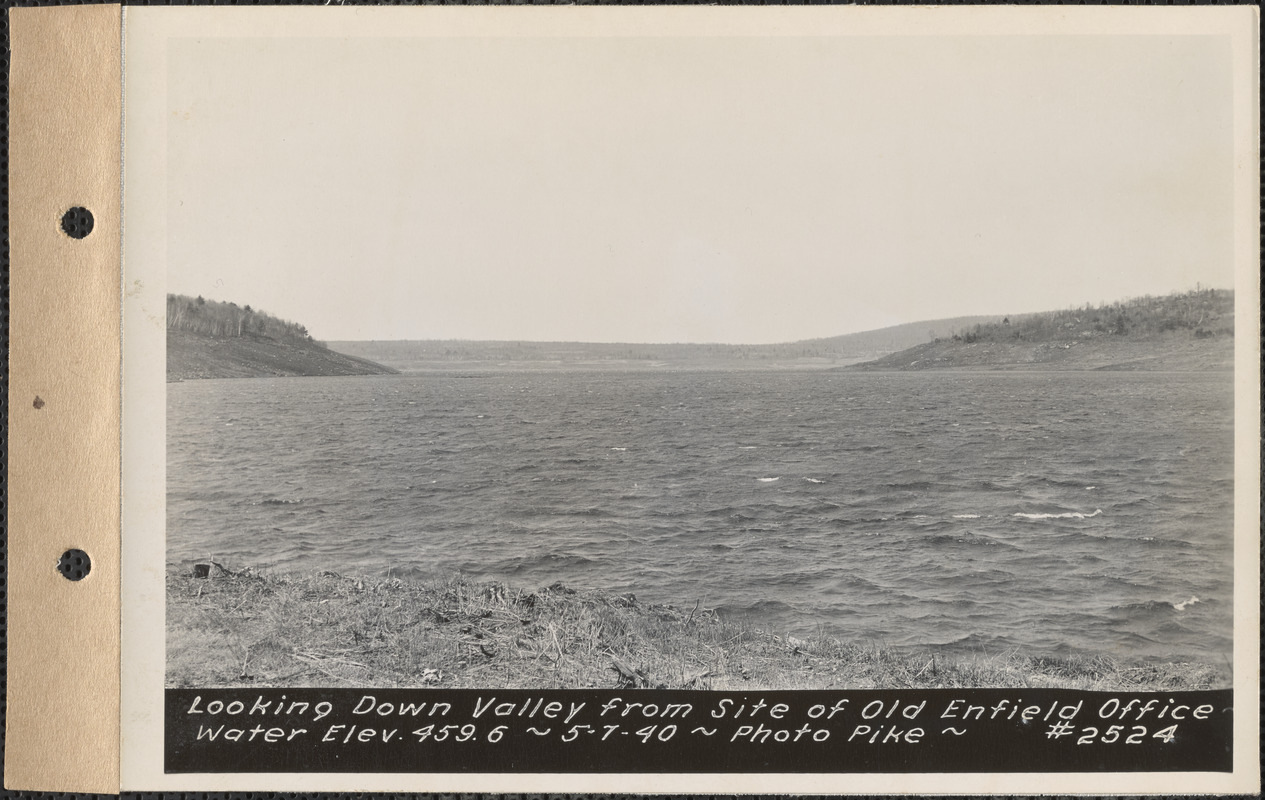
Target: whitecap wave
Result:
[[966, 516], [813, 480], [620, 449], [1182, 605], [1064, 515], [769, 480]]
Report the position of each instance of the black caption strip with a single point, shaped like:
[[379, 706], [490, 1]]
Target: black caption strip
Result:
[[586, 731]]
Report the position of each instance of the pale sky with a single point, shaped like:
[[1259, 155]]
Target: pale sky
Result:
[[693, 189]]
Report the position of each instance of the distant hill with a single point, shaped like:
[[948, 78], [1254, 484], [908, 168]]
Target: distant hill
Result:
[[211, 339], [439, 354], [1183, 331]]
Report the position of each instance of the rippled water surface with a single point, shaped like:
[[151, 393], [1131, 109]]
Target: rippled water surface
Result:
[[1068, 512]]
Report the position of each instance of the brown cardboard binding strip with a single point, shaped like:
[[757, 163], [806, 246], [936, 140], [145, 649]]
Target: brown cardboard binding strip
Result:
[[63, 471]]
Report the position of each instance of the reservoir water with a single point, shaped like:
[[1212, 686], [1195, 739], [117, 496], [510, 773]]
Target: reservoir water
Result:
[[1061, 513]]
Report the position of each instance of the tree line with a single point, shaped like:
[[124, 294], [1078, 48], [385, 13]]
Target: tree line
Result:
[[221, 320], [514, 351]]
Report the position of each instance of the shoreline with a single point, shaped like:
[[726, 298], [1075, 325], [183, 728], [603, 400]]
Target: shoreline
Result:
[[246, 628]]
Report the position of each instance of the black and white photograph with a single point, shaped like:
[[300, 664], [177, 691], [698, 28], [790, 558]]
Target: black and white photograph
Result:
[[720, 361]]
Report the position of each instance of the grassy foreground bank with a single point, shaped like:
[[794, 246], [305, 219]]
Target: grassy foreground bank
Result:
[[246, 628]]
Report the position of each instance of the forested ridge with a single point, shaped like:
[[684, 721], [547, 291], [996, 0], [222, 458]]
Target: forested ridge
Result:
[[220, 320], [1203, 313], [216, 339], [1183, 331]]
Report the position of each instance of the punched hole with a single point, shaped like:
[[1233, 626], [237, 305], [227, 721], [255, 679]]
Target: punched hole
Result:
[[77, 222], [74, 565]]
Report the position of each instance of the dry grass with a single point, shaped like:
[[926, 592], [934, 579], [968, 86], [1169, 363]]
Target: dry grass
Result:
[[251, 629]]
